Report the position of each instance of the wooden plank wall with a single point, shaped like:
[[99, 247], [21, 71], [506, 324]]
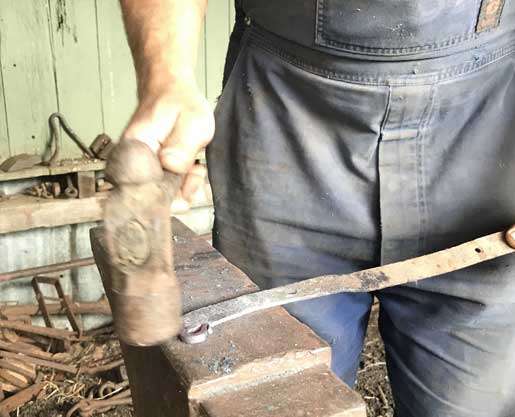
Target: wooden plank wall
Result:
[[72, 56]]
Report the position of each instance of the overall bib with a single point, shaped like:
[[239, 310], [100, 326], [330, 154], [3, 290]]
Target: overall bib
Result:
[[352, 133]]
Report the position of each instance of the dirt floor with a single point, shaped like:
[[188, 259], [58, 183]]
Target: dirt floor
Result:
[[372, 385]]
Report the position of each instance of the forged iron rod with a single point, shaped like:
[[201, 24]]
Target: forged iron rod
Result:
[[46, 269]]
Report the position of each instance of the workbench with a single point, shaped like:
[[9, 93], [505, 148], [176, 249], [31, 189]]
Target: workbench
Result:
[[264, 364]]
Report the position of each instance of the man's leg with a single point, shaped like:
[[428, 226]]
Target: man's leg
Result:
[[450, 341], [293, 171], [448, 354]]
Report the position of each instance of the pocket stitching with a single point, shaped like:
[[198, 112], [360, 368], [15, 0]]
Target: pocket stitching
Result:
[[322, 40]]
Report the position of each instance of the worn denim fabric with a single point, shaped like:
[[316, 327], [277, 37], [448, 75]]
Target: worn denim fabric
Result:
[[382, 29], [326, 164]]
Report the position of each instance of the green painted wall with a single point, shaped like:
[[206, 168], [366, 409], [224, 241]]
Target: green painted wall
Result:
[[72, 56]]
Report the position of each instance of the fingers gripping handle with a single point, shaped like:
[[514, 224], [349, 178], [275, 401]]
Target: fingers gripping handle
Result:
[[173, 183], [132, 162]]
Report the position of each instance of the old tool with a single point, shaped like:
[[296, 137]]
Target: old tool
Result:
[[199, 324], [47, 189], [70, 191], [55, 121], [144, 294], [102, 146]]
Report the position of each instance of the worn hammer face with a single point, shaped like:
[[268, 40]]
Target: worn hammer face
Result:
[[137, 268]]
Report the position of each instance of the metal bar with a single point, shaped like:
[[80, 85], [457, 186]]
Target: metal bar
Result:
[[12, 403], [65, 303], [199, 323], [41, 302], [99, 307], [41, 362], [59, 334], [47, 269]]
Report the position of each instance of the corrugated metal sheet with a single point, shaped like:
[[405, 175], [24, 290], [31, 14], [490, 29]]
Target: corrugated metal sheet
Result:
[[47, 246]]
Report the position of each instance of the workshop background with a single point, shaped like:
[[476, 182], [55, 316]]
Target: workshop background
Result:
[[72, 56]]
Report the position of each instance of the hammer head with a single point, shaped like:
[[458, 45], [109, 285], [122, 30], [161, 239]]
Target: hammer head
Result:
[[137, 263]]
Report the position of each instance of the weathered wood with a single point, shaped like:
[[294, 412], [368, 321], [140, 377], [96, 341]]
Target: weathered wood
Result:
[[72, 56], [28, 76], [100, 307], [86, 184], [4, 128], [23, 212], [263, 350], [20, 162], [217, 33], [74, 44], [65, 167], [117, 74]]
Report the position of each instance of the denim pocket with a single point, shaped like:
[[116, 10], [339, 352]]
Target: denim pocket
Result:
[[394, 28]]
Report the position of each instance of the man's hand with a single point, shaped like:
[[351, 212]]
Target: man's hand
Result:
[[172, 116], [177, 122]]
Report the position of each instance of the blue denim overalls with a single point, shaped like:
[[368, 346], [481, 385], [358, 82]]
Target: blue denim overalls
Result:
[[352, 133]]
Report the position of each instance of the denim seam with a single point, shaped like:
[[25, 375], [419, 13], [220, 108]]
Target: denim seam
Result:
[[421, 171], [382, 127], [442, 75]]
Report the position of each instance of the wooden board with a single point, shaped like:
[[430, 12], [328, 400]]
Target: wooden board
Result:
[[58, 169], [74, 41], [217, 34], [117, 76], [24, 212], [4, 128], [28, 73]]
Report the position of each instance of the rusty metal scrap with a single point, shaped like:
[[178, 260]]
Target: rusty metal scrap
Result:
[[33, 365], [33, 351], [41, 362], [63, 298], [59, 334], [47, 269], [17, 400], [102, 368], [55, 121], [87, 407], [102, 146], [98, 307], [70, 191], [46, 190]]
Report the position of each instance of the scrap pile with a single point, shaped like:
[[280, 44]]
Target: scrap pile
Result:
[[73, 373]]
